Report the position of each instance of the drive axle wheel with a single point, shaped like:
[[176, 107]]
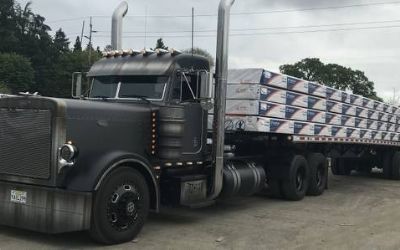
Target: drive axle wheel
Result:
[[318, 174], [294, 188], [120, 207], [396, 166]]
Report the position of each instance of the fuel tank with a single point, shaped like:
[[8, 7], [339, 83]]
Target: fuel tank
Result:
[[242, 178]]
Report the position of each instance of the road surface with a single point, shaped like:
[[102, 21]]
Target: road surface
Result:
[[356, 212]]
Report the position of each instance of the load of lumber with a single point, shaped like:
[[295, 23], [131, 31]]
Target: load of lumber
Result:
[[262, 101]]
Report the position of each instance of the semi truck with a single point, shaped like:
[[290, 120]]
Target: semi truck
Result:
[[149, 133]]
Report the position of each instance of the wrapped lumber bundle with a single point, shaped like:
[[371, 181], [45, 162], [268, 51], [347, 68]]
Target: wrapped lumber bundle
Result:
[[259, 100]]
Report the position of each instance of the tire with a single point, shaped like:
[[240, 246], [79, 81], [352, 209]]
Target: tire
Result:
[[120, 207], [387, 164], [396, 166], [334, 167], [339, 167], [318, 178], [294, 188]]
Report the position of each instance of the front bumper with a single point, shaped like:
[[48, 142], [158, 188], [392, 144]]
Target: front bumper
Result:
[[47, 210]]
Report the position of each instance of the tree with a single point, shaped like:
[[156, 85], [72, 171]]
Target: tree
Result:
[[61, 42], [78, 44], [16, 73], [8, 25], [332, 75], [201, 52], [160, 44], [108, 48]]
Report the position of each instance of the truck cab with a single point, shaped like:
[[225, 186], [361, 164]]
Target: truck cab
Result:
[[175, 84], [136, 139]]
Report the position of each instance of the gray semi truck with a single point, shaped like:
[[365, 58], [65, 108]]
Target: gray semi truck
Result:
[[139, 140]]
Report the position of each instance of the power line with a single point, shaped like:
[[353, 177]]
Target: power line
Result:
[[265, 28], [67, 19], [271, 33], [242, 13]]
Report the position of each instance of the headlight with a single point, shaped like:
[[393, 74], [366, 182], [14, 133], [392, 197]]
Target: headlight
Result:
[[68, 152], [66, 156]]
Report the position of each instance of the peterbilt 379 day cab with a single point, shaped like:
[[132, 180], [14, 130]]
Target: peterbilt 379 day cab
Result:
[[140, 140]]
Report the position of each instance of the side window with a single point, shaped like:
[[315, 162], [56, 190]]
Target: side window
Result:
[[186, 87]]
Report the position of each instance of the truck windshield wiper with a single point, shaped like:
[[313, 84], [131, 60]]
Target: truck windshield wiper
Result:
[[144, 98], [103, 97]]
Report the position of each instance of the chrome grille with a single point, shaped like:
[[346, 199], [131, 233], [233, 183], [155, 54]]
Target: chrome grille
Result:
[[25, 143]]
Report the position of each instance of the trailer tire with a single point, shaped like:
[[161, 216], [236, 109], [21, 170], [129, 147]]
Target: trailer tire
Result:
[[339, 167], [387, 163], [334, 167], [318, 167], [396, 166], [294, 188], [120, 207]]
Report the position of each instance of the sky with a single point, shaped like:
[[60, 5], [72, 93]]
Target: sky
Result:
[[361, 34]]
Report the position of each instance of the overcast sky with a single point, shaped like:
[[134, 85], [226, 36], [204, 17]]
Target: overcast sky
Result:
[[376, 51]]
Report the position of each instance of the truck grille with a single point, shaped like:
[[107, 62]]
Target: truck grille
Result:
[[25, 143]]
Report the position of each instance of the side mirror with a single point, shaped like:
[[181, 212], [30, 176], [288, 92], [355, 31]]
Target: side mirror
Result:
[[206, 100], [76, 88]]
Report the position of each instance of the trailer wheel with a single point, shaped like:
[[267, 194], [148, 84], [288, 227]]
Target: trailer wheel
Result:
[[339, 167], [396, 166], [387, 163], [334, 167], [295, 186], [120, 207], [318, 174]]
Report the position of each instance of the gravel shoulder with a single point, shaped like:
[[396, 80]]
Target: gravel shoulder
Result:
[[356, 212]]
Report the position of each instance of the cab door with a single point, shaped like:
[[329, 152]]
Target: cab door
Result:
[[186, 92]]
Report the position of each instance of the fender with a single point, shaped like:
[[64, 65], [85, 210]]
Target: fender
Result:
[[88, 175]]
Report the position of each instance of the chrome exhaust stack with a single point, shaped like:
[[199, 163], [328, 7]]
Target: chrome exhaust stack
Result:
[[221, 77], [116, 25]]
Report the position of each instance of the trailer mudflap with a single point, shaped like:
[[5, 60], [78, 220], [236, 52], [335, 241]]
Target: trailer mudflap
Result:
[[46, 210]]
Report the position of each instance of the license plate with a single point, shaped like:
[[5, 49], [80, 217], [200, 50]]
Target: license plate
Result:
[[194, 187], [18, 196]]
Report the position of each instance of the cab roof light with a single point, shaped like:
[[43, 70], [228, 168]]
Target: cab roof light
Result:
[[135, 52], [127, 52], [118, 53], [111, 53], [147, 52], [175, 52], [161, 51]]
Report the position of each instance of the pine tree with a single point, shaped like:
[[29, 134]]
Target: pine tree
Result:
[[160, 44], [61, 42], [78, 44]]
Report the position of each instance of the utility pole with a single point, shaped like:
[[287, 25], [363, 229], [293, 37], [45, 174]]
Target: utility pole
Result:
[[91, 31], [90, 42], [83, 30], [192, 30]]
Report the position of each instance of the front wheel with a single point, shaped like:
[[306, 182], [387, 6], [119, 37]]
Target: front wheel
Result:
[[120, 207]]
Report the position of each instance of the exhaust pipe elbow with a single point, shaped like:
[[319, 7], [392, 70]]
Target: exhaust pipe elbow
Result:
[[116, 25]]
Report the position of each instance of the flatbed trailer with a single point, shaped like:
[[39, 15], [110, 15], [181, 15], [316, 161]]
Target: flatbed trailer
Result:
[[140, 140]]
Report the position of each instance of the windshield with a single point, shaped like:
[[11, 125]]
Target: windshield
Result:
[[149, 87]]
